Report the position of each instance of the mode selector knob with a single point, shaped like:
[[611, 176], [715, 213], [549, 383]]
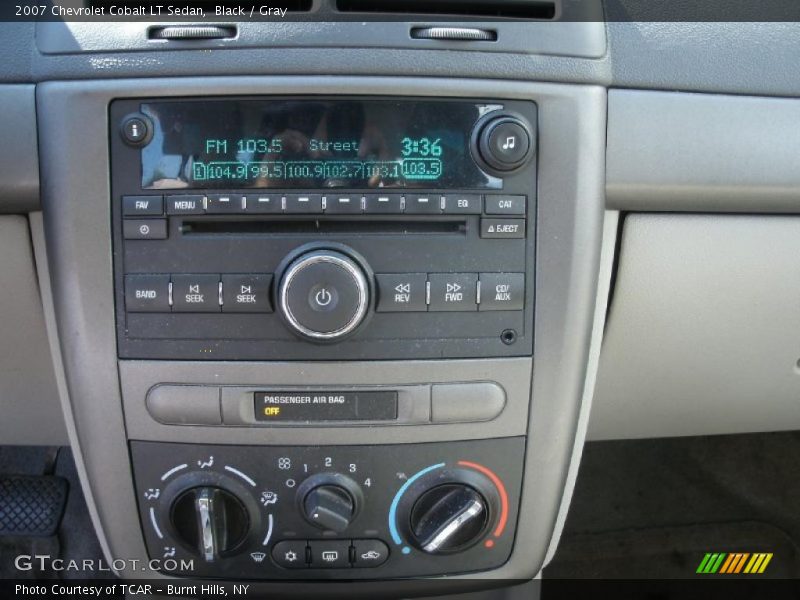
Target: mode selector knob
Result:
[[329, 501], [448, 518], [210, 520], [323, 295]]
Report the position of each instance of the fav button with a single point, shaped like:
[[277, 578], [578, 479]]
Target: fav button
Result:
[[290, 554], [195, 293], [133, 206], [246, 293], [453, 291], [329, 554], [369, 553], [403, 292]]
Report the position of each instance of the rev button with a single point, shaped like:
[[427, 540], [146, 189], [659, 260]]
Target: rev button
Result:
[[403, 292]]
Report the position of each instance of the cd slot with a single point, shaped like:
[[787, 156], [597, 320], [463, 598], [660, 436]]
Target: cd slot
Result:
[[318, 226]]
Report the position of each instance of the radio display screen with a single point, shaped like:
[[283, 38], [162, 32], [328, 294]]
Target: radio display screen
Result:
[[312, 143]]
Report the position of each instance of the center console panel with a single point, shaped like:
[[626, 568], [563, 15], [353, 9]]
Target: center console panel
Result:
[[299, 317]]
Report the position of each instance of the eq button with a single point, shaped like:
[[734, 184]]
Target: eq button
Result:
[[462, 204], [401, 292]]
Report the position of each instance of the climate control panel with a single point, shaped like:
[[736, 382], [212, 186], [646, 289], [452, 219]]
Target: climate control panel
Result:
[[342, 512]]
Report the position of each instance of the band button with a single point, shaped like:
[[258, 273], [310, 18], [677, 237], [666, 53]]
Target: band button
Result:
[[147, 293]]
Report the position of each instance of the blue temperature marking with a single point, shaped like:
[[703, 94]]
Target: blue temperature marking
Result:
[[396, 500]]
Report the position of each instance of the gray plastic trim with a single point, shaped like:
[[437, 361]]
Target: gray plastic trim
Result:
[[19, 154], [76, 199], [702, 334], [28, 394], [580, 38], [699, 152], [137, 377]]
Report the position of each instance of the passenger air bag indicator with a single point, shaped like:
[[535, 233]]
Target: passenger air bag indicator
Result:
[[308, 406]]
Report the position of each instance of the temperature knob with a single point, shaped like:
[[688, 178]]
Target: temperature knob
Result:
[[448, 518], [329, 501], [210, 520]]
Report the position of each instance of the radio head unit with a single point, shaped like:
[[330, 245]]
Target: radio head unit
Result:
[[323, 228]]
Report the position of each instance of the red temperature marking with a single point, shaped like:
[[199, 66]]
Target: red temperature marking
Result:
[[500, 488]]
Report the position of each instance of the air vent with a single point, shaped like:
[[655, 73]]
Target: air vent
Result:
[[464, 9]]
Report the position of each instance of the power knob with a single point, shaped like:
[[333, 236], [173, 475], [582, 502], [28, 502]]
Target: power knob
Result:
[[323, 295], [329, 501], [210, 520]]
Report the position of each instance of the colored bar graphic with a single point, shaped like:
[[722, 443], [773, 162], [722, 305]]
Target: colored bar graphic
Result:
[[734, 563]]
